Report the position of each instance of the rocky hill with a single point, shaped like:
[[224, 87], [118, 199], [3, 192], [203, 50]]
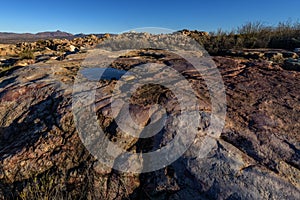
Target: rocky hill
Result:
[[42, 154], [13, 38], [6, 37]]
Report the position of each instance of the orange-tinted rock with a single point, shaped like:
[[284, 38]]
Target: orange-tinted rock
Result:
[[257, 156]]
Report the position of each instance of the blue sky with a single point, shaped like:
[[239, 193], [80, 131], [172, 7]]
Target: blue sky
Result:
[[117, 16]]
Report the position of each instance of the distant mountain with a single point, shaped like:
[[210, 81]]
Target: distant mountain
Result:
[[54, 34], [30, 37], [10, 38]]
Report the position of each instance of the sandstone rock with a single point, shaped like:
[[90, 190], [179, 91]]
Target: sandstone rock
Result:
[[43, 58], [106, 35], [256, 157], [8, 51], [275, 56], [272, 55], [25, 62], [72, 48], [45, 50], [195, 32]]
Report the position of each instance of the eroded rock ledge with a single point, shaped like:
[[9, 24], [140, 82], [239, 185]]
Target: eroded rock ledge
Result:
[[256, 157]]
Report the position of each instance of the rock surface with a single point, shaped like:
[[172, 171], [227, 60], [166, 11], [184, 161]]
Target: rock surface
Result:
[[17, 54], [256, 157], [266, 54]]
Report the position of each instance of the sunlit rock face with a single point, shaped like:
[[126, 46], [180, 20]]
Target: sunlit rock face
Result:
[[256, 156]]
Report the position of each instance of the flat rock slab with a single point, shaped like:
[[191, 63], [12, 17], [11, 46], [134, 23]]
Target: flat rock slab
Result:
[[256, 157]]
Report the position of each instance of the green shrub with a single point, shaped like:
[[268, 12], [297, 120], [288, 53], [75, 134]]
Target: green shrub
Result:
[[26, 54], [286, 35]]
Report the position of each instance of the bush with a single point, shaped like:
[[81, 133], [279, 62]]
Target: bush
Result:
[[286, 35], [26, 54]]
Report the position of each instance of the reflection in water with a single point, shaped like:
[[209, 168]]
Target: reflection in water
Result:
[[95, 74]]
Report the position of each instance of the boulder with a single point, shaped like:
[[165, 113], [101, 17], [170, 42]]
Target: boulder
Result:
[[72, 48], [25, 62], [274, 56]]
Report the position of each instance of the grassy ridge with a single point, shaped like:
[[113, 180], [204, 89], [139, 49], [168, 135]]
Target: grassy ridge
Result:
[[286, 35]]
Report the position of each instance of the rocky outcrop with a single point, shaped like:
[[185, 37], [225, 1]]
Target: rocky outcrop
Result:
[[194, 33], [256, 157], [25, 53], [276, 55]]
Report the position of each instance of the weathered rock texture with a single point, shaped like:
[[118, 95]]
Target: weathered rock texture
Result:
[[256, 157]]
